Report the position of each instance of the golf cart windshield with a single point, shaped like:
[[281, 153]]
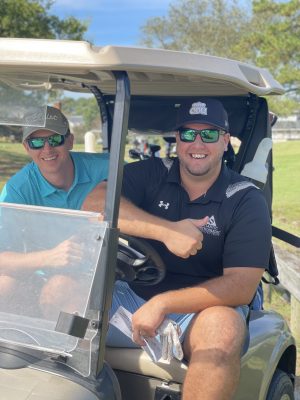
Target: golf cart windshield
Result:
[[25, 316], [17, 102]]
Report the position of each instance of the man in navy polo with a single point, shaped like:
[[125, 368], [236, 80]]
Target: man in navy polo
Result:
[[207, 293]]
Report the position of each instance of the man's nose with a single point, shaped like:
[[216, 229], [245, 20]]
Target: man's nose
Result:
[[47, 145], [198, 139]]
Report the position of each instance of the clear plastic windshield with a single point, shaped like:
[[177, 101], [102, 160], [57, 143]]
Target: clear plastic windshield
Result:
[[19, 99], [48, 261]]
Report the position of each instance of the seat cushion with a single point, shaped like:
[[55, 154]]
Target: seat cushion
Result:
[[138, 361]]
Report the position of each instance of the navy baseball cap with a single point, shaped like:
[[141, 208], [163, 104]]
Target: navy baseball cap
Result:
[[205, 111], [55, 122]]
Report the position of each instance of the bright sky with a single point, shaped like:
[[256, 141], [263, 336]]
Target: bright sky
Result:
[[115, 22]]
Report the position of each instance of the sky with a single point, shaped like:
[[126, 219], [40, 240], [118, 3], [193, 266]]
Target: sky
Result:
[[113, 22]]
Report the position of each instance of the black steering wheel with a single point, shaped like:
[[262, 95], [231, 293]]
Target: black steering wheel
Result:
[[138, 262]]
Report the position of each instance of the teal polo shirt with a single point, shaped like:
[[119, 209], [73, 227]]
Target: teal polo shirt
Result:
[[28, 186]]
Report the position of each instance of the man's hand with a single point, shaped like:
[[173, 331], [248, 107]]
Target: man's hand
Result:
[[67, 253], [185, 238], [146, 320]]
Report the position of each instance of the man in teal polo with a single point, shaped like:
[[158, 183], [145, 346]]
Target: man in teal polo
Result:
[[56, 177]]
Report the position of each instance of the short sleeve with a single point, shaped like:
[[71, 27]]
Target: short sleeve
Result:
[[248, 239], [10, 195]]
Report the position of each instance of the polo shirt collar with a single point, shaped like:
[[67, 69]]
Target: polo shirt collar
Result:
[[174, 172], [217, 190], [46, 189], [214, 193]]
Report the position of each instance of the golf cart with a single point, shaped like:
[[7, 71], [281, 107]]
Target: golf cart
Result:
[[65, 357]]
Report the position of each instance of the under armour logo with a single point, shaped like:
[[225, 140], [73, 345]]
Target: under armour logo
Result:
[[162, 204]]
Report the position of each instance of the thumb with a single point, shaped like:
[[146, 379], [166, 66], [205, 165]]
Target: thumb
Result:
[[199, 222]]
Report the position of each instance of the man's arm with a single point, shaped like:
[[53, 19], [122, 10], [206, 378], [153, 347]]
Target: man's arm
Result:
[[236, 287], [65, 254], [183, 238]]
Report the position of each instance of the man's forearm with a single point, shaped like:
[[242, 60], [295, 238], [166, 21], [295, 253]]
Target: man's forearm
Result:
[[137, 222], [234, 288], [183, 238], [132, 220], [12, 261]]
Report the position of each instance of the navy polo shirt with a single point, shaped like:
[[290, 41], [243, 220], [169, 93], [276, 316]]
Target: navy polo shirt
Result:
[[238, 233]]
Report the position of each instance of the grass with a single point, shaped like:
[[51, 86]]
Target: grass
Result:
[[13, 157], [286, 200]]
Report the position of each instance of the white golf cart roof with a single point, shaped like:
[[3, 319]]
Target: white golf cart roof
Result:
[[151, 71]]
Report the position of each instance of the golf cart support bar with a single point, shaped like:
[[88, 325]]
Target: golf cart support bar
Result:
[[112, 202], [118, 138], [286, 236]]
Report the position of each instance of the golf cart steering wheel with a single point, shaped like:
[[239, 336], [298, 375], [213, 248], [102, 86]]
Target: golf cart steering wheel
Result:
[[138, 262]]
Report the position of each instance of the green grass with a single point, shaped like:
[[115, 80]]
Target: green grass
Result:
[[286, 198], [13, 157]]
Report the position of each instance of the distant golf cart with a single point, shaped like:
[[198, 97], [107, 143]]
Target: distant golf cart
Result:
[[65, 357]]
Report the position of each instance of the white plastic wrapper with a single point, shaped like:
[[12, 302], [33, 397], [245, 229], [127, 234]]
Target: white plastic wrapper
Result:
[[165, 346]]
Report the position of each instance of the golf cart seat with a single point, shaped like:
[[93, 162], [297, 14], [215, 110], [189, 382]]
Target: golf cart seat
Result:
[[138, 362]]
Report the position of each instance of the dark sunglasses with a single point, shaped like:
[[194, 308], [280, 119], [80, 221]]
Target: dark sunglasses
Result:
[[39, 142], [207, 135]]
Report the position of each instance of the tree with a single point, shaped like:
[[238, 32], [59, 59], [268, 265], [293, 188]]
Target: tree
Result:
[[266, 33], [32, 19], [275, 41], [203, 26]]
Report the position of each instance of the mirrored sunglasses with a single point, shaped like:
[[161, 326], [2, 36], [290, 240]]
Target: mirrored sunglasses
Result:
[[39, 142], [206, 135]]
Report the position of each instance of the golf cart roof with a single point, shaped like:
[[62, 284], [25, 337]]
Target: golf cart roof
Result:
[[152, 72]]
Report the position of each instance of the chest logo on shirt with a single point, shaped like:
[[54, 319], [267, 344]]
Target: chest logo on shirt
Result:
[[211, 227], [162, 204]]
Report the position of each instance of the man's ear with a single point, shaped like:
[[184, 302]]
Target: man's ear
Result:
[[226, 141], [26, 147]]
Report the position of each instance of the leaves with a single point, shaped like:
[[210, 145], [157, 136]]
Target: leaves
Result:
[[31, 19], [263, 32]]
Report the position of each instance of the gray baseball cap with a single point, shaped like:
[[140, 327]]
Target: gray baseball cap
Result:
[[55, 121]]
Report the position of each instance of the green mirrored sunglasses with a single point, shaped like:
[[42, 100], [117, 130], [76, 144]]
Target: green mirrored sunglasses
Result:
[[206, 135], [55, 140]]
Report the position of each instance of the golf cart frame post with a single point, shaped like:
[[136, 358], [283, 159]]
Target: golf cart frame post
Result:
[[119, 132]]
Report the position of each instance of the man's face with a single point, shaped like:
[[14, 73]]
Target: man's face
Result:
[[198, 158], [50, 160]]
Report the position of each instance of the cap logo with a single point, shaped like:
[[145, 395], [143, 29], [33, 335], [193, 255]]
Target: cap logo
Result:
[[198, 108], [54, 117]]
